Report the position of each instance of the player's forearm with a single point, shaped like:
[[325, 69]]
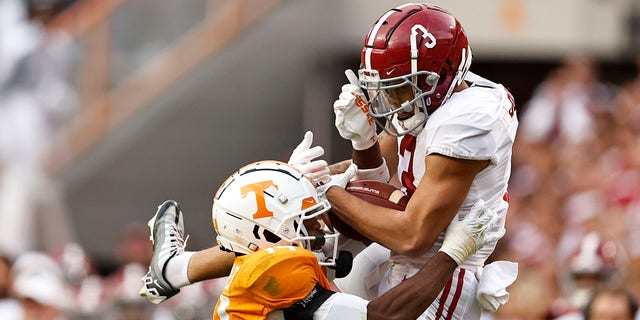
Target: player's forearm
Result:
[[388, 227], [368, 158], [208, 264], [411, 297]]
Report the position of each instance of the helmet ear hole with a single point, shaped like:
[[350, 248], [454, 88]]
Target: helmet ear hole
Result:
[[296, 225], [270, 236], [443, 75], [450, 65], [256, 234]]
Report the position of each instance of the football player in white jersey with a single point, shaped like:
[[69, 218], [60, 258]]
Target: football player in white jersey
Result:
[[448, 137]]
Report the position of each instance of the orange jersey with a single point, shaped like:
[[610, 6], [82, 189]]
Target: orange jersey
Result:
[[268, 280]]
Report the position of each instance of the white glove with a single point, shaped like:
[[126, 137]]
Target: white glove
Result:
[[466, 237], [302, 159], [340, 180], [353, 120]]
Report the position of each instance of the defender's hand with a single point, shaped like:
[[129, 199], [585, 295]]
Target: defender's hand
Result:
[[353, 120], [302, 158], [340, 180], [466, 237]]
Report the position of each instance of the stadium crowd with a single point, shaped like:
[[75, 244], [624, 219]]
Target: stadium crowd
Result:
[[574, 192]]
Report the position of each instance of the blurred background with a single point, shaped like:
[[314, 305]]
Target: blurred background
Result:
[[110, 107]]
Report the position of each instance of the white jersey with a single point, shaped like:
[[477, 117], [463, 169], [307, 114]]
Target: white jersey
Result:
[[478, 123]]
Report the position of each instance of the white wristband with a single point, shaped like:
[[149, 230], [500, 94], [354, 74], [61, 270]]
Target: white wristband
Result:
[[380, 173], [364, 143]]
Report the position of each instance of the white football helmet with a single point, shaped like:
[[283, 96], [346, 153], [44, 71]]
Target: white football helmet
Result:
[[265, 204]]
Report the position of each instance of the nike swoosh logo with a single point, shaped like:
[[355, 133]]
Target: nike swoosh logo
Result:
[[391, 71]]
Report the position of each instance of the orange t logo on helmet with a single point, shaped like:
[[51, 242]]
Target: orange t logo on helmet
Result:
[[258, 191]]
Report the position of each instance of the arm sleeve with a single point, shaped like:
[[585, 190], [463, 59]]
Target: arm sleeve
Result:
[[342, 306]]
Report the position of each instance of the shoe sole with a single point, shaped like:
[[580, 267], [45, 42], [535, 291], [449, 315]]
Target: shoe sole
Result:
[[162, 209]]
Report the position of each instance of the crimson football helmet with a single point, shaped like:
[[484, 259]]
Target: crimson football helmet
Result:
[[595, 255], [596, 260], [416, 48], [267, 204]]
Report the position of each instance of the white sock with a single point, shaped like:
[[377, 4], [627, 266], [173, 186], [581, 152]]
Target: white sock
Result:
[[177, 268]]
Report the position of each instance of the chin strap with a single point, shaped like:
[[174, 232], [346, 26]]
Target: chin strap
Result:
[[304, 309], [416, 122]]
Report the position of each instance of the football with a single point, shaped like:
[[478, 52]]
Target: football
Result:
[[375, 192]]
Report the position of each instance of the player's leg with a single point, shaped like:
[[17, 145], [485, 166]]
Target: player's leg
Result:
[[210, 264], [366, 271], [167, 235], [171, 267]]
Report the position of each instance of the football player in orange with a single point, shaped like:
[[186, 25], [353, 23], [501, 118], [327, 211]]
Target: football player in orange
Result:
[[269, 215]]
